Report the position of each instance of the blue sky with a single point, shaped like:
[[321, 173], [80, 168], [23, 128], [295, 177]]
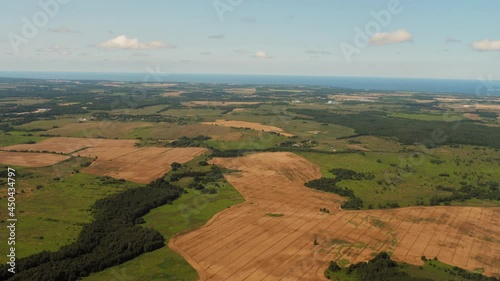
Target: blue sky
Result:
[[431, 39]]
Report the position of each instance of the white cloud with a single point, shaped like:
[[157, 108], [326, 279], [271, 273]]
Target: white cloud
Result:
[[57, 49], [206, 53], [62, 30], [384, 38], [262, 55], [217, 36], [486, 45], [124, 43]]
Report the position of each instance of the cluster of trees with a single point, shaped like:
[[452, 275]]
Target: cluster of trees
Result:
[[201, 181], [487, 191], [190, 142], [470, 275], [487, 114], [407, 131], [229, 153], [380, 268], [346, 174], [111, 239], [201, 178], [330, 185], [6, 127], [156, 118], [458, 271]]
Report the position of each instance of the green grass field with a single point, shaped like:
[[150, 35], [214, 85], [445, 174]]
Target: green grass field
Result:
[[408, 177], [51, 212], [188, 212], [13, 137], [250, 139], [48, 124], [428, 117]]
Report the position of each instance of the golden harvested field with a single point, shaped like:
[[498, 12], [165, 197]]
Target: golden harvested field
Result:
[[242, 91], [158, 85], [423, 101], [173, 94], [472, 116], [249, 125], [141, 165], [115, 158], [27, 159], [354, 97], [494, 107], [448, 99], [271, 235]]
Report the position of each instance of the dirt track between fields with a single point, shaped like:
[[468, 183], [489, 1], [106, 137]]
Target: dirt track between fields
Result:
[[245, 243]]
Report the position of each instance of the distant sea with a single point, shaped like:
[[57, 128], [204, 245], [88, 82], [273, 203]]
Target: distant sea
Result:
[[477, 87]]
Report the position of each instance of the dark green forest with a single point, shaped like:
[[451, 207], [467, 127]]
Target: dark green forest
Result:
[[409, 131], [114, 237]]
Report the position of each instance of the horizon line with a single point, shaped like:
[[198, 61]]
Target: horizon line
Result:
[[225, 74]]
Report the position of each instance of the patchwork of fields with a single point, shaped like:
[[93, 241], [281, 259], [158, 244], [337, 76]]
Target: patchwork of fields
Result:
[[423, 166], [272, 235], [120, 159]]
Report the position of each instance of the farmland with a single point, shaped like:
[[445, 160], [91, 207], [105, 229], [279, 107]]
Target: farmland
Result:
[[257, 182], [120, 159], [30, 159], [249, 125], [458, 236]]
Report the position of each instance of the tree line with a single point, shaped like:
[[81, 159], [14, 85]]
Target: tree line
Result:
[[330, 185], [112, 238]]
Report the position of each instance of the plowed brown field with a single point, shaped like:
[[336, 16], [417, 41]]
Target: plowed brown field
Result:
[[245, 243]]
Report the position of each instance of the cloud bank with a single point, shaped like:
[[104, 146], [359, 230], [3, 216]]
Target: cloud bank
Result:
[[385, 38], [486, 45], [122, 42]]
